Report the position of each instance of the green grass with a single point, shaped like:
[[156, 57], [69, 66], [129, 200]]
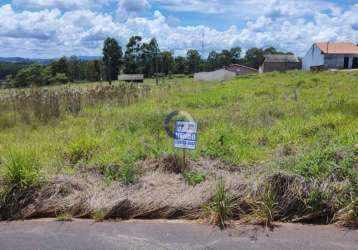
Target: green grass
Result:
[[246, 121], [22, 169]]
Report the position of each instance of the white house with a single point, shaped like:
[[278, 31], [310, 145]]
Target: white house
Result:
[[331, 56]]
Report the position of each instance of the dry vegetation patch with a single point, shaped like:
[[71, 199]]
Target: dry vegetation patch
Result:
[[163, 194]]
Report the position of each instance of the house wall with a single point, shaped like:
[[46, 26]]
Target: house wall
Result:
[[280, 66], [313, 58], [337, 61]]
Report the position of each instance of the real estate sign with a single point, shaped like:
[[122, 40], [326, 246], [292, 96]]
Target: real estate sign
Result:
[[185, 135]]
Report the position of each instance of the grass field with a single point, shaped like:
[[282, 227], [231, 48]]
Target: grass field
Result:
[[298, 123]]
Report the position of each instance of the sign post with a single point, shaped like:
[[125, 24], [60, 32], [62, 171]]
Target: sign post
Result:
[[185, 136]]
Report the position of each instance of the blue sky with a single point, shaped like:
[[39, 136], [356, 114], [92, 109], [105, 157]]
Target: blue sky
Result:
[[52, 28]]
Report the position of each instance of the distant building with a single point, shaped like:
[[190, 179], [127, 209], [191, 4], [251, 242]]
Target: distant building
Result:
[[131, 78], [331, 56], [217, 75], [280, 63], [241, 69]]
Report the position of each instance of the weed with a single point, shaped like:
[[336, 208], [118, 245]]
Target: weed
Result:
[[81, 149], [348, 216], [99, 216], [220, 209], [65, 217], [111, 173], [264, 208], [128, 171], [316, 199], [194, 178]]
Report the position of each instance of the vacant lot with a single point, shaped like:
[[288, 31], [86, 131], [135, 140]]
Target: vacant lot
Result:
[[301, 125]]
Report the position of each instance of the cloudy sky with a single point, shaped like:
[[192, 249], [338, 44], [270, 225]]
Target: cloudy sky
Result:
[[52, 28]]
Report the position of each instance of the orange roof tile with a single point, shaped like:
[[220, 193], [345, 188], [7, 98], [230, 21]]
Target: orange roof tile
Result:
[[338, 48]]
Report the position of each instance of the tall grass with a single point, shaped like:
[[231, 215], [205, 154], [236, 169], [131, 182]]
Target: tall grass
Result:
[[22, 170], [45, 104], [220, 209]]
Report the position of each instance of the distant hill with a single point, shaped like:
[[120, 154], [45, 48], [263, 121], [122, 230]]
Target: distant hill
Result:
[[25, 60], [43, 61]]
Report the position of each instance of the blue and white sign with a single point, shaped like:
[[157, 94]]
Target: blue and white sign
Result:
[[185, 135]]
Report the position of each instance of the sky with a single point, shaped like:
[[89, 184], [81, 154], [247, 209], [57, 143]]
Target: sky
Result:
[[54, 28]]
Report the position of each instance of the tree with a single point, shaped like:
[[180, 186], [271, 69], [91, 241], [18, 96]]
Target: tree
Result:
[[254, 57], [151, 58], [74, 69], [59, 78], [212, 61], [93, 72], [167, 62], [235, 54], [33, 75], [60, 66], [133, 55], [193, 60], [112, 54], [180, 66]]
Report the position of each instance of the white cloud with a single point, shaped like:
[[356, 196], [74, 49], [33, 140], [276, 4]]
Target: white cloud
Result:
[[48, 33], [130, 8]]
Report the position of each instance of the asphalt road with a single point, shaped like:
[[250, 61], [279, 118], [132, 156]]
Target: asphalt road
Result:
[[47, 234]]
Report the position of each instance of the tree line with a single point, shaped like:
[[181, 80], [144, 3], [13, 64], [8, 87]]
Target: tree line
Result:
[[138, 57]]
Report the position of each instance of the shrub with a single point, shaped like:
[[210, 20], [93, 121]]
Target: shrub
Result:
[[33, 75], [220, 209], [59, 78], [194, 178], [81, 149]]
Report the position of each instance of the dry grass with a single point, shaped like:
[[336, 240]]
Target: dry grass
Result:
[[163, 195], [46, 104]]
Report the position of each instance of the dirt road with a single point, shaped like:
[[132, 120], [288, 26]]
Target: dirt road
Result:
[[47, 234]]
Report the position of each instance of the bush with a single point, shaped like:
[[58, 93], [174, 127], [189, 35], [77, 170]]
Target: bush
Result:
[[59, 78], [33, 75], [81, 149]]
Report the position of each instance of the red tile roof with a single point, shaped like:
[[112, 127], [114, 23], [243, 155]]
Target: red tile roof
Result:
[[338, 48]]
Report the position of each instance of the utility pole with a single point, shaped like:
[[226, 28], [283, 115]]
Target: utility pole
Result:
[[203, 47]]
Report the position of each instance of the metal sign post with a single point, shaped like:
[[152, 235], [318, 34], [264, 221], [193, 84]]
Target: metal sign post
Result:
[[185, 136]]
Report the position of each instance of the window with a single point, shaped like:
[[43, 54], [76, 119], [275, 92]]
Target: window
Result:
[[355, 63]]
